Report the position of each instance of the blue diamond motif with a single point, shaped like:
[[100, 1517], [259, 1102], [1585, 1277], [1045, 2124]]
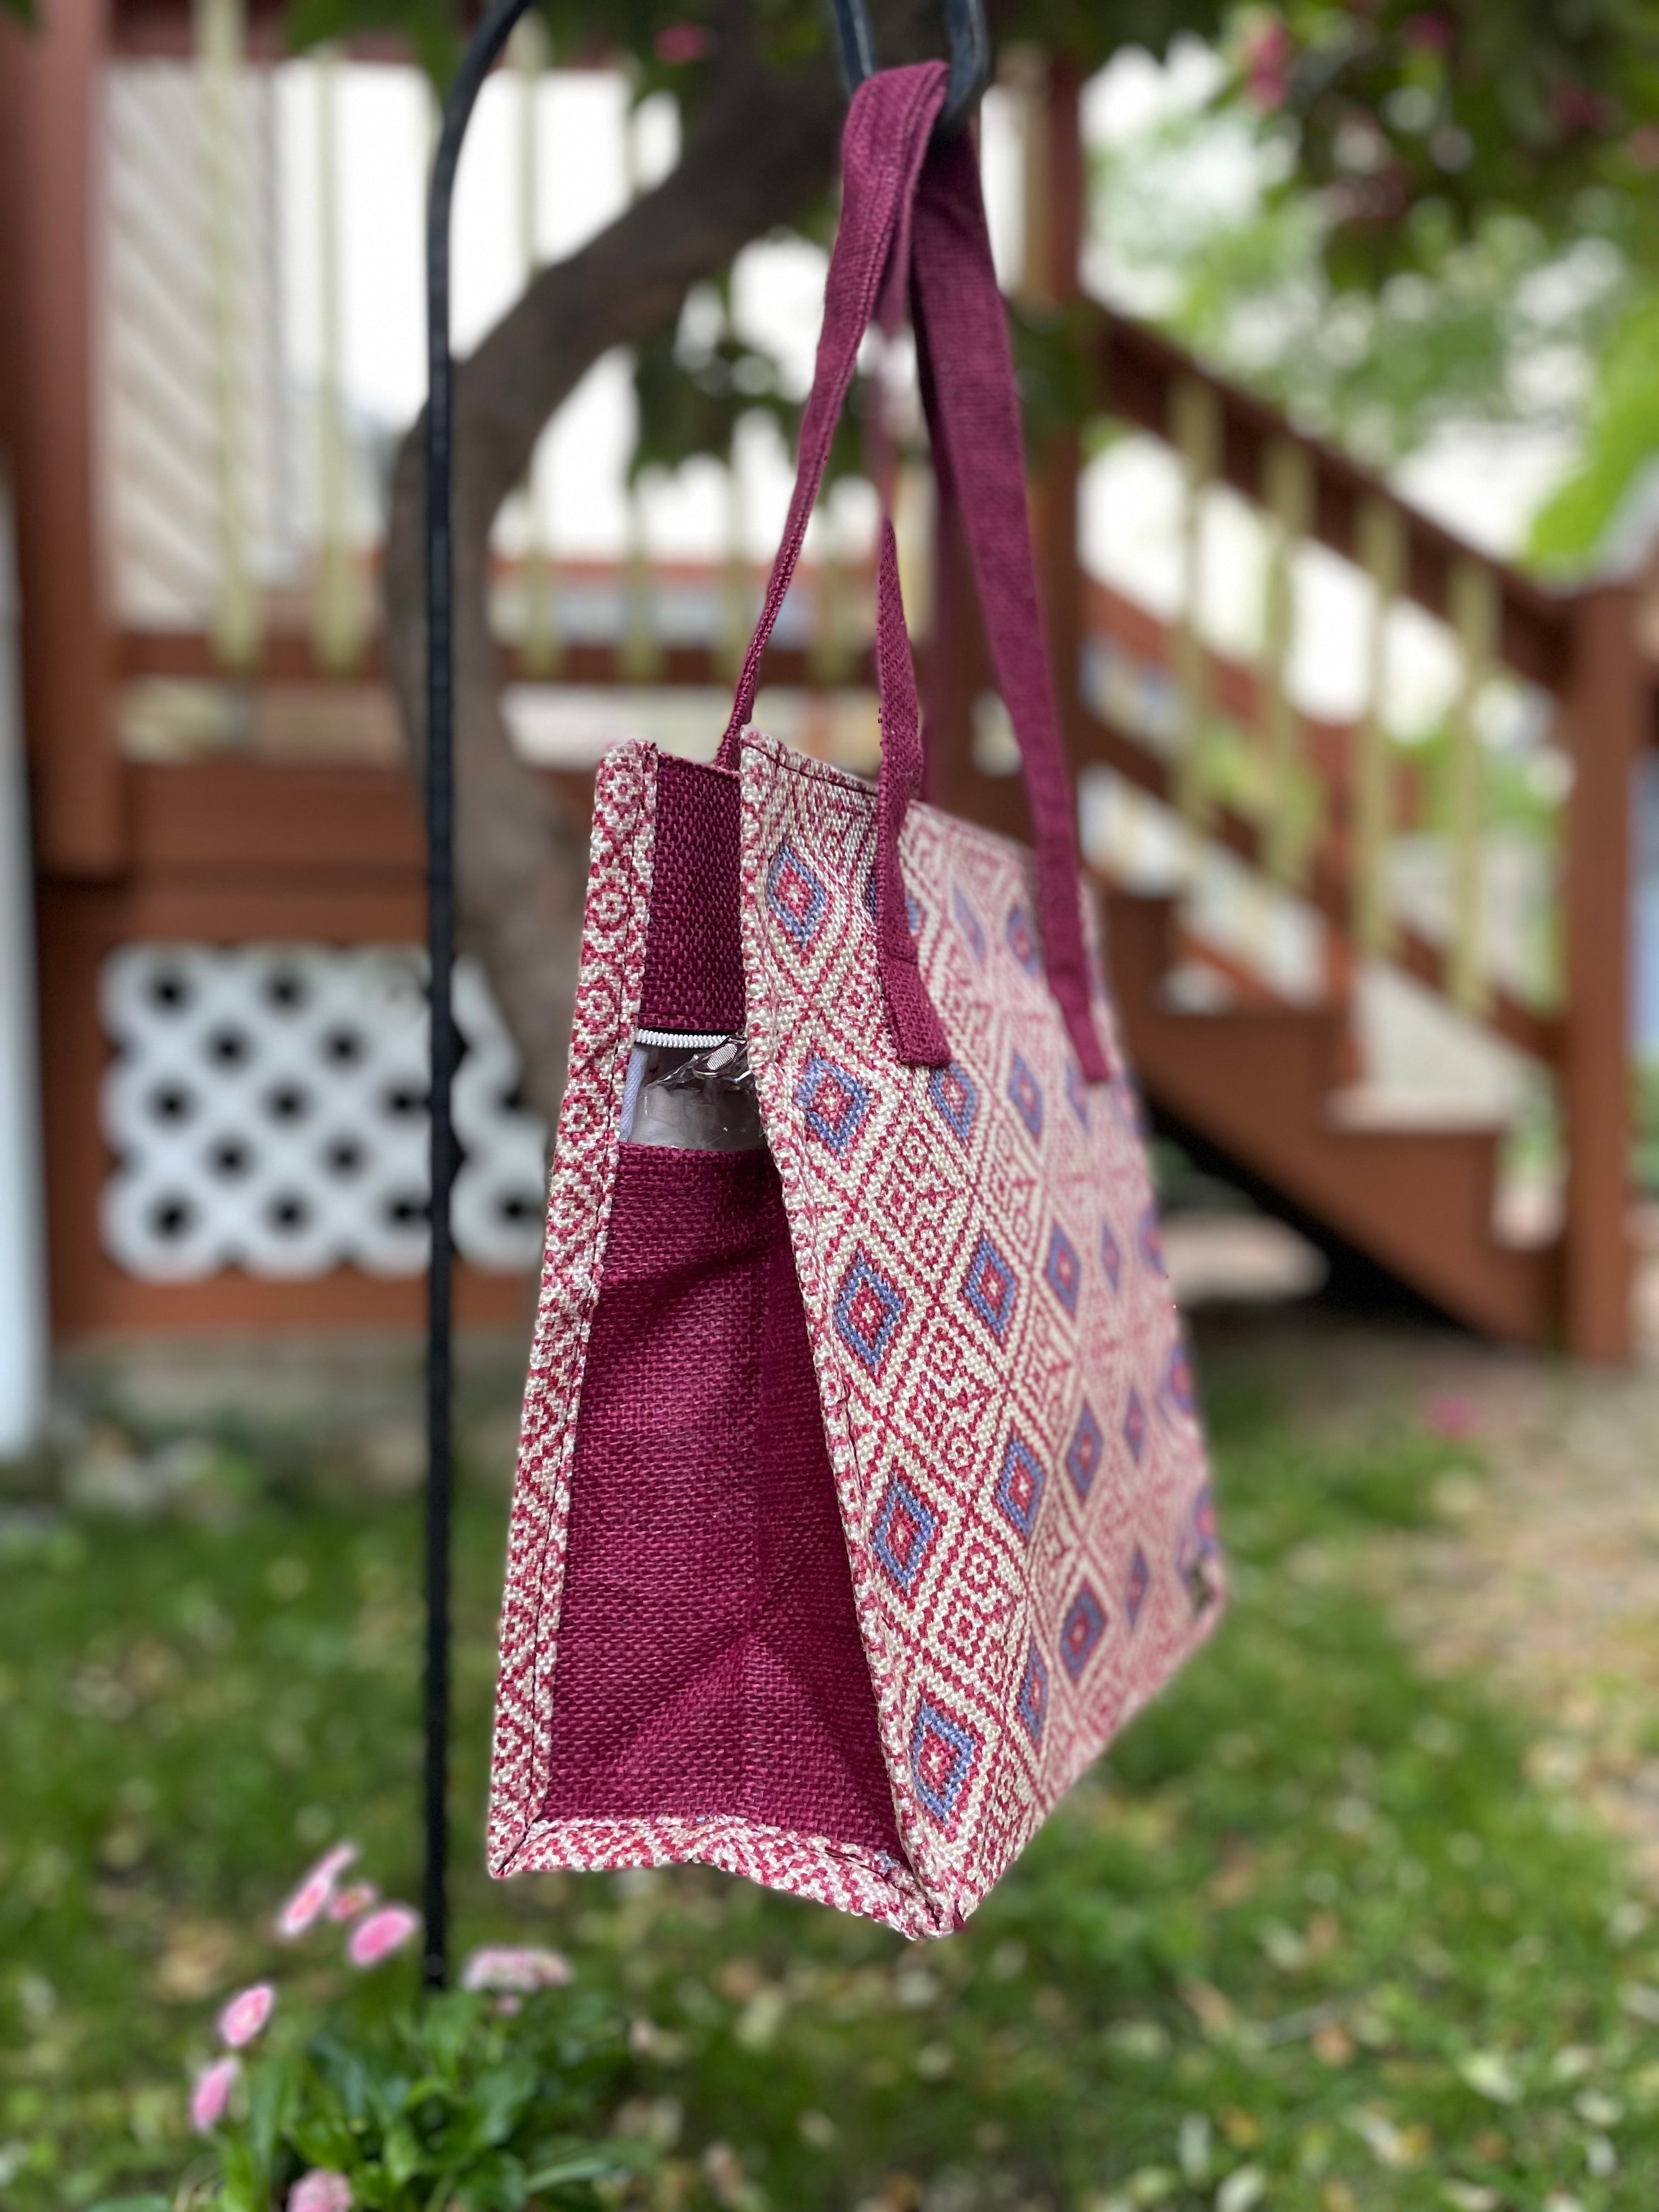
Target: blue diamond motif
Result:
[[990, 1289], [1084, 1453], [835, 1104], [868, 1310], [1134, 1424], [1126, 1109], [1152, 1244], [904, 1533], [1062, 1270], [1178, 1379], [1020, 1486], [1027, 1095], [968, 921], [1077, 1092], [1084, 1626], [1111, 1254], [953, 1091], [1197, 1561], [912, 906], [943, 1752], [1022, 939], [1032, 1703], [1139, 1582], [795, 895]]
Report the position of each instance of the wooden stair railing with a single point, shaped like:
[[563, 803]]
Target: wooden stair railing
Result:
[[1272, 1087]]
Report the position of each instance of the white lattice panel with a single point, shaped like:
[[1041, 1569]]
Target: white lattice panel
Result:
[[266, 1107]]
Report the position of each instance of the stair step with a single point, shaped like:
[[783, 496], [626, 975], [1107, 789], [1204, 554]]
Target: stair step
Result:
[[1368, 1106]]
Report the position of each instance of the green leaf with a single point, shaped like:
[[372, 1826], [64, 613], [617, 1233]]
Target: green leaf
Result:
[[401, 2152], [585, 2165], [501, 2097], [1621, 438]]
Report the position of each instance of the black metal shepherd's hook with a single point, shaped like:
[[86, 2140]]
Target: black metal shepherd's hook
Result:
[[969, 64], [485, 45]]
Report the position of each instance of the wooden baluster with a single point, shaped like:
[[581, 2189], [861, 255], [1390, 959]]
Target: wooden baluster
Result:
[[1288, 490], [1474, 609], [638, 655], [912, 529], [1607, 716], [1381, 548], [830, 654], [220, 44], [1054, 172], [736, 592], [338, 613], [1196, 433], [542, 647]]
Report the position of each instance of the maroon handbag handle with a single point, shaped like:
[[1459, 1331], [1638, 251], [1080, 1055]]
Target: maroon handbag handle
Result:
[[890, 167]]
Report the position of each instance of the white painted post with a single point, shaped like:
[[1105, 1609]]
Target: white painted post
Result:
[[22, 1244]]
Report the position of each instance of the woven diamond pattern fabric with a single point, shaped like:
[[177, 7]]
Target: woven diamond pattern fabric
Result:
[[1005, 1387]]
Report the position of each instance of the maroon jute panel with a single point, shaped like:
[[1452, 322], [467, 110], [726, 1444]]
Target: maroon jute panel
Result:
[[693, 962], [709, 1660]]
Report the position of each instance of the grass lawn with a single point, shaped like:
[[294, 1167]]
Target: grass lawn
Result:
[[1308, 1938]]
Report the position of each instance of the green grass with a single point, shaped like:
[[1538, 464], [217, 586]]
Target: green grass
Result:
[[1308, 1938]]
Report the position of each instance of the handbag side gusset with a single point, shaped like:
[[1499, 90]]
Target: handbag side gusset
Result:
[[659, 948], [610, 976]]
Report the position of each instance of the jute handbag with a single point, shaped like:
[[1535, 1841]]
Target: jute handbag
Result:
[[860, 1496]]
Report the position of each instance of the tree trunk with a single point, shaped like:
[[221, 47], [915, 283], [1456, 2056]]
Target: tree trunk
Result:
[[763, 150]]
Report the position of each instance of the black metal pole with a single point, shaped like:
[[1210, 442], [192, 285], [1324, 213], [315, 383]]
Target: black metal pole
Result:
[[485, 45]]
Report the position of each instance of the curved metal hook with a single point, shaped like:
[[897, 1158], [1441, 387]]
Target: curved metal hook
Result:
[[970, 54]]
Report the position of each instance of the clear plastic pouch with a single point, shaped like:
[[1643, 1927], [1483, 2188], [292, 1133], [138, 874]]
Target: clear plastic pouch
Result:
[[691, 1094]]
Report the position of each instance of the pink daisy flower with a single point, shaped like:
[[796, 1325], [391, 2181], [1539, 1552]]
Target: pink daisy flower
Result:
[[381, 1933], [245, 2014], [208, 2098], [311, 1899], [515, 1967], [322, 2190]]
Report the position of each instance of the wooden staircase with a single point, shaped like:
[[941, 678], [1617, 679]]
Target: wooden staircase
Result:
[[1261, 1087]]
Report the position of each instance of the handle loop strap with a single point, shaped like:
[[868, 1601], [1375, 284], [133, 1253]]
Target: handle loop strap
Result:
[[896, 181]]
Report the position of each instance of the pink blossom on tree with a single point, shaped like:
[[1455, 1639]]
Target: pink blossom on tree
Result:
[[381, 1933], [322, 2190], [312, 1898], [677, 42], [1267, 53], [245, 2014], [515, 1967], [211, 2093]]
